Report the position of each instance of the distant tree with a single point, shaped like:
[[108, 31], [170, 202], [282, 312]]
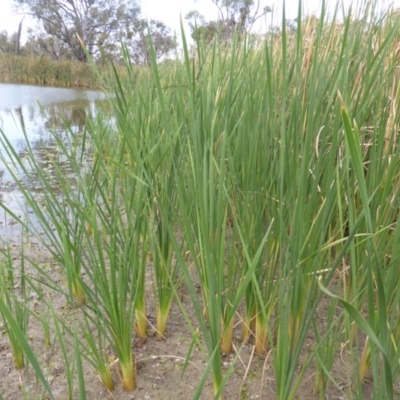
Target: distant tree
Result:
[[6, 43], [233, 15], [98, 23], [39, 44], [208, 30], [138, 41], [242, 13]]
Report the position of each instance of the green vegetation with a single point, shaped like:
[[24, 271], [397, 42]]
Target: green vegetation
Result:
[[45, 71], [262, 180]]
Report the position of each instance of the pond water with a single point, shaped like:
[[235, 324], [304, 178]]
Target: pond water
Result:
[[29, 115]]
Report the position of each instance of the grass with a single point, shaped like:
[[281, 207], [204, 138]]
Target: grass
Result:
[[261, 180]]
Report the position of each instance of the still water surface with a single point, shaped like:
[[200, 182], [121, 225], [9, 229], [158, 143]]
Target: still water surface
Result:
[[33, 113]]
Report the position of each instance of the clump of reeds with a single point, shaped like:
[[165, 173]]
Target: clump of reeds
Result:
[[46, 71]]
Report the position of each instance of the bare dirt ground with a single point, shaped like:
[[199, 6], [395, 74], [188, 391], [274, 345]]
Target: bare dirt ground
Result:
[[160, 363]]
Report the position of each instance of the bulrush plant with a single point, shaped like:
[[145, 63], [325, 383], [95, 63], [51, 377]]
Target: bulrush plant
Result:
[[268, 288], [232, 280], [141, 261], [133, 162], [141, 323], [152, 155], [162, 161], [119, 261], [261, 292], [73, 260], [16, 305], [164, 271], [96, 353]]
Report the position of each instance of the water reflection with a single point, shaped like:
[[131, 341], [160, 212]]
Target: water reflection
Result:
[[29, 116]]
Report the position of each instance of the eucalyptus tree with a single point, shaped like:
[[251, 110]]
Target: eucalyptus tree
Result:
[[7, 43], [233, 15], [241, 13], [93, 23], [39, 43], [139, 44]]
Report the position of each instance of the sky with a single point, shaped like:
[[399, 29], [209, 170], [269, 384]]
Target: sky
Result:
[[169, 11]]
